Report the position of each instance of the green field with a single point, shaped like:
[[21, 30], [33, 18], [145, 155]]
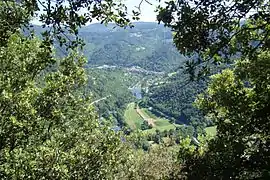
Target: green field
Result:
[[132, 118], [161, 123], [162, 128], [148, 113], [211, 131]]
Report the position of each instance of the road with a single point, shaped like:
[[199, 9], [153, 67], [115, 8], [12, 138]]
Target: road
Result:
[[150, 121], [96, 101]]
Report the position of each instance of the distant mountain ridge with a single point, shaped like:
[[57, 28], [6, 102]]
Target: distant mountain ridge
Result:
[[148, 45]]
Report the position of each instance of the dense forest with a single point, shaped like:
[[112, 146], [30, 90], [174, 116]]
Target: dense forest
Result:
[[147, 45], [184, 98], [173, 96]]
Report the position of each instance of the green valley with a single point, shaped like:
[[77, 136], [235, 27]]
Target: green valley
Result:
[[136, 118], [133, 119], [129, 67]]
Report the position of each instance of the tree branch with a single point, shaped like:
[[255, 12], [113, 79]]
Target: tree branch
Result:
[[140, 4]]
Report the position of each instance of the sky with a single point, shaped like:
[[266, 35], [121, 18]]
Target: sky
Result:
[[147, 10]]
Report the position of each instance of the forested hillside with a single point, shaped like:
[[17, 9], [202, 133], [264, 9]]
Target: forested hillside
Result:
[[147, 45], [173, 96]]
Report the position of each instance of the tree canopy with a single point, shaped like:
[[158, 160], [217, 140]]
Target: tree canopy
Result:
[[49, 129], [237, 99], [216, 31]]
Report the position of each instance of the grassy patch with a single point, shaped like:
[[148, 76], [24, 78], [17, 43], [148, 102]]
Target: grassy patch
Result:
[[162, 125], [162, 122], [132, 117], [162, 128], [148, 113], [134, 120]]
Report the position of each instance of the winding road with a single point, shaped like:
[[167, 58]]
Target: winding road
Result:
[[150, 121], [96, 101]]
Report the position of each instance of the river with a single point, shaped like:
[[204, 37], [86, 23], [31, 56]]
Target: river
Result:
[[137, 92]]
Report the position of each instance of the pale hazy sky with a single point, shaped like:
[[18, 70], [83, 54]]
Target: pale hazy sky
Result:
[[147, 11]]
